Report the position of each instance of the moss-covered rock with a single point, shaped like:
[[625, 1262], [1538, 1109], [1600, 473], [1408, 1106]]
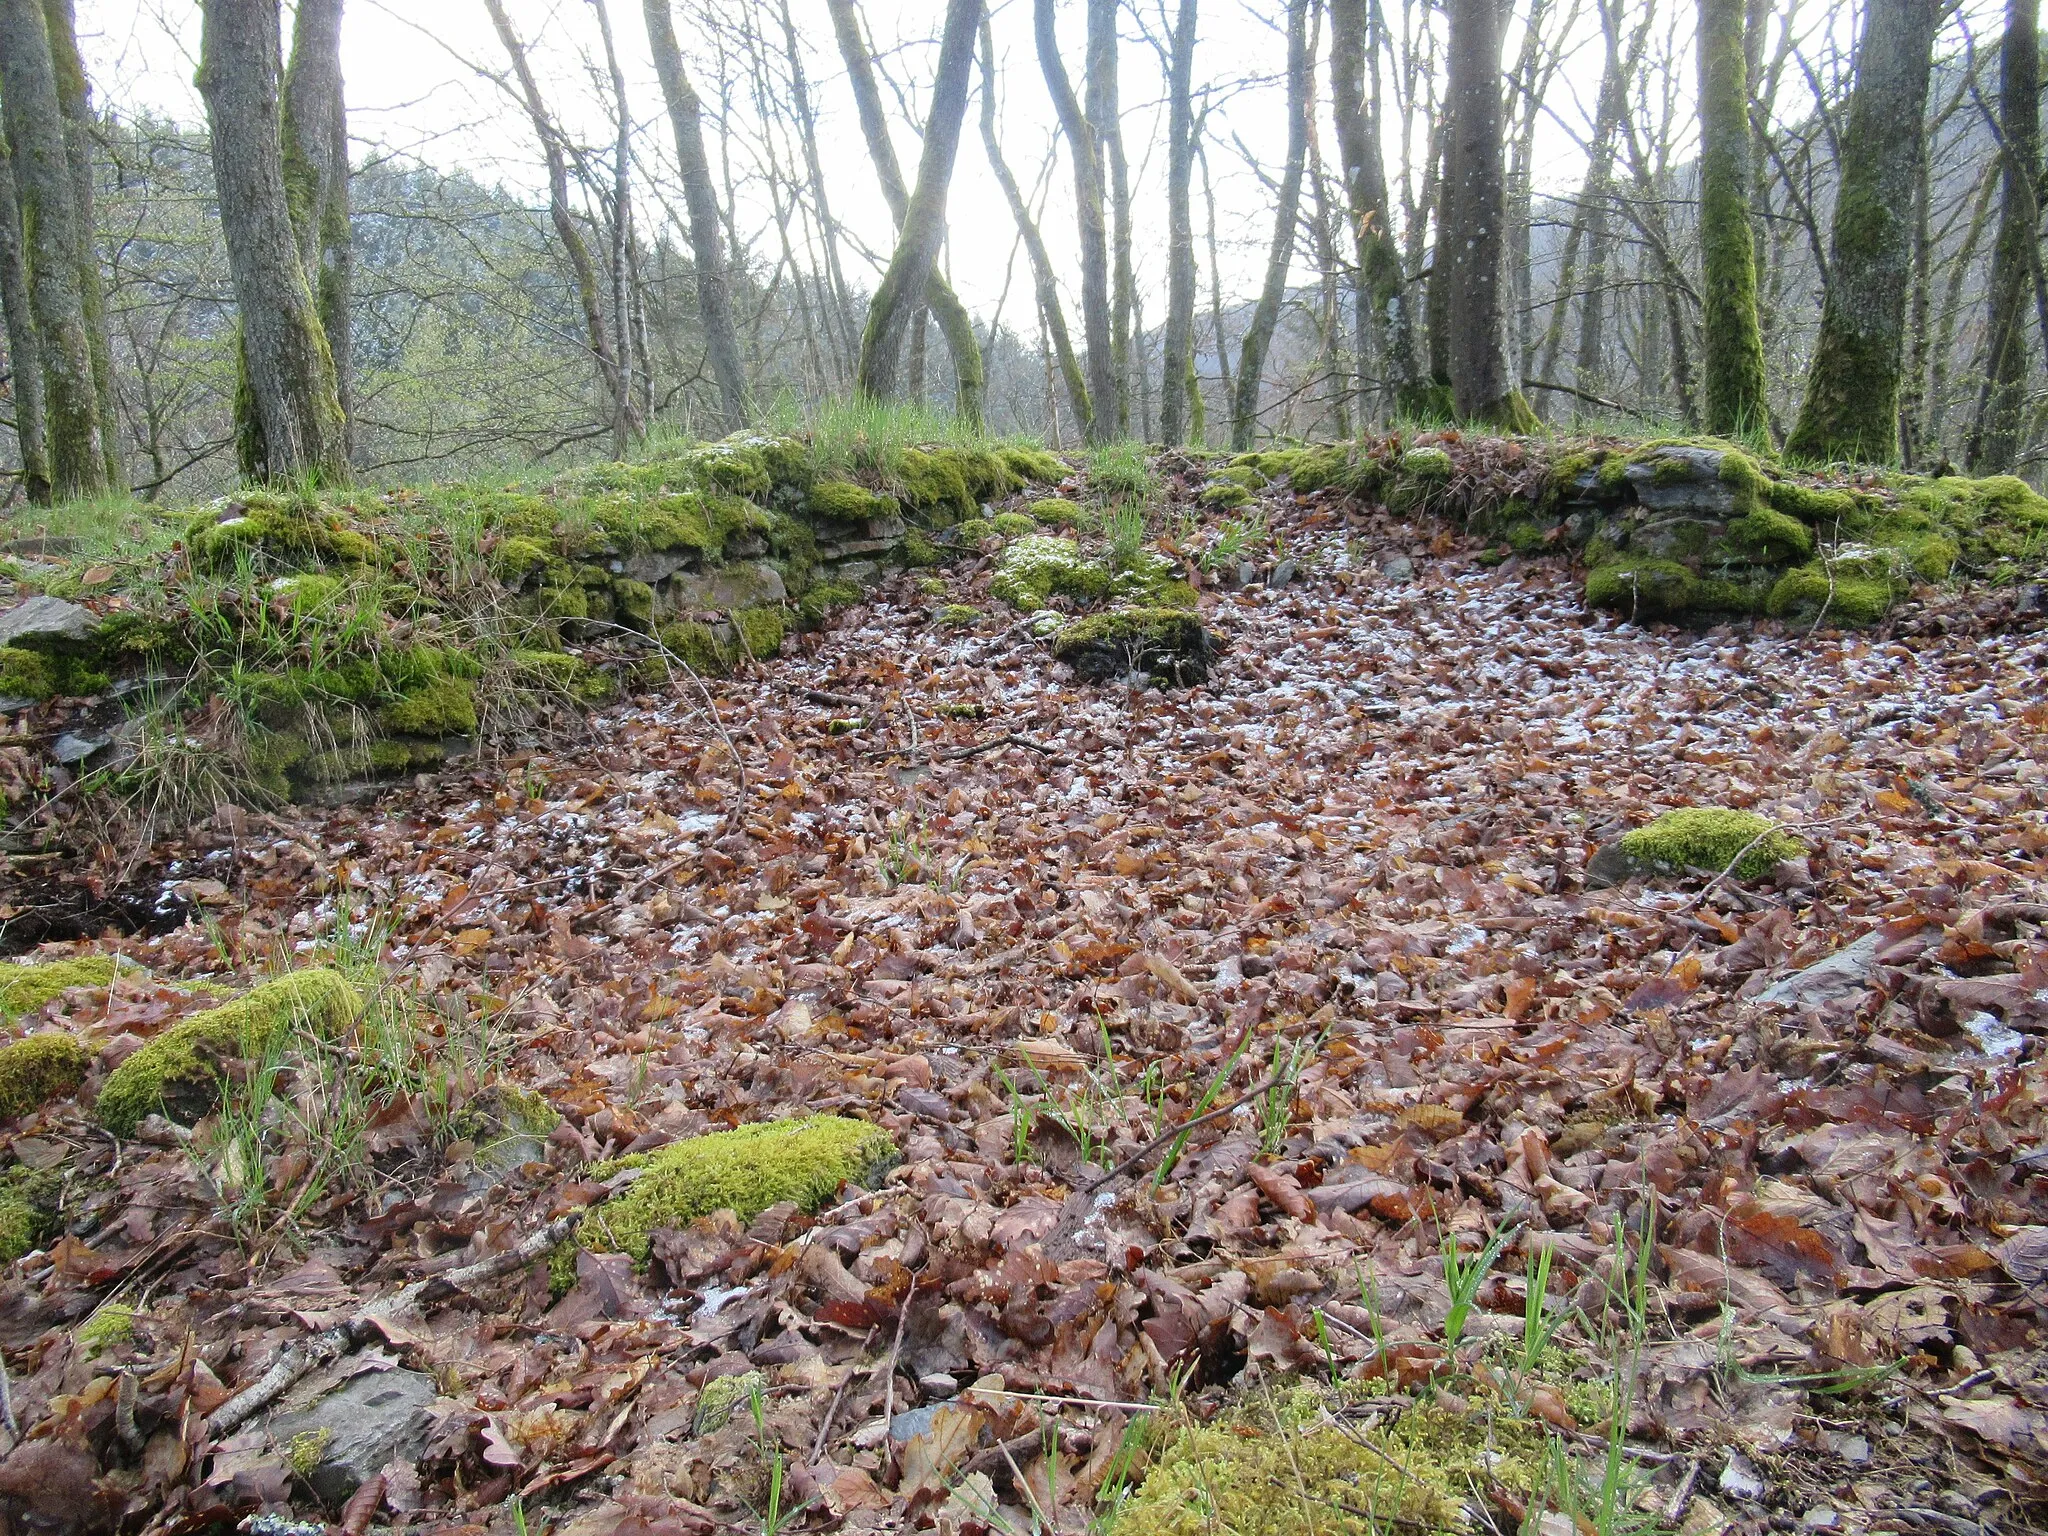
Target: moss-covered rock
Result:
[[1287, 1467], [1035, 567], [177, 1072], [38, 1069], [761, 631], [1641, 587], [804, 1160], [957, 616], [844, 502], [111, 1326], [1167, 644], [26, 674], [633, 601], [969, 532], [1031, 464], [822, 599], [1058, 512], [1711, 838], [1827, 591], [436, 706], [24, 988], [1013, 525], [1427, 463], [1222, 495], [28, 1209], [935, 483], [1767, 534], [274, 529], [570, 674], [920, 553]]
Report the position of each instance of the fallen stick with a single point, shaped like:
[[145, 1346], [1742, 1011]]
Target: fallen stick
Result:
[[1138, 1158], [302, 1359]]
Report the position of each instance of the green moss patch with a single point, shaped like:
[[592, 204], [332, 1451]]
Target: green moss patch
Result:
[[1035, 567], [276, 530], [437, 706], [177, 1072], [1707, 837], [1168, 644], [26, 674], [1636, 587], [1288, 1467], [25, 988], [112, 1326], [1031, 464], [844, 502], [1058, 512], [38, 1069], [745, 1171], [957, 616], [1013, 525], [28, 1209]]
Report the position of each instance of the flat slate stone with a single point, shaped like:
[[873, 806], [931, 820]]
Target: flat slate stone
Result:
[[370, 1420], [46, 618]]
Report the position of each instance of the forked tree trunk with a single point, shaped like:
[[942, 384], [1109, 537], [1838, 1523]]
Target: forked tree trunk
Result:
[[53, 244], [957, 326], [1382, 291], [24, 356], [1851, 410], [1045, 281], [1994, 441], [315, 136], [1177, 372], [924, 219], [583, 269], [707, 239], [1474, 177], [1093, 221], [74, 99], [1733, 397], [287, 369], [1251, 358]]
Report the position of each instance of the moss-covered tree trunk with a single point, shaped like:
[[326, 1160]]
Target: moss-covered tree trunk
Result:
[[955, 324], [1176, 388], [1994, 441], [1258, 336], [1733, 388], [700, 197], [314, 126], [1475, 180], [1091, 216], [1381, 281], [288, 371], [916, 257], [54, 243], [1851, 409], [74, 99], [23, 356]]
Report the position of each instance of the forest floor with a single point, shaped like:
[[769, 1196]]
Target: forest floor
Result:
[[915, 875]]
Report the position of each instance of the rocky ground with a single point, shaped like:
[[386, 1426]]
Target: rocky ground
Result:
[[1329, 910]]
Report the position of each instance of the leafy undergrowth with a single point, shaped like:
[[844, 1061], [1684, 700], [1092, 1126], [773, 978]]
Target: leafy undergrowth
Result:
[[1289, 1138]]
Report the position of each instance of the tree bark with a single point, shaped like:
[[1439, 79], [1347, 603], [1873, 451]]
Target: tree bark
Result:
[[1589, 371], [1177, 369], [628, 422], [74, 99], [1733, 394], [1105, 123], [1044, 280], [1851, 410], [707, 239], [1382, 290], [53, 247], [582, 267], [1093, 222], [1474, 233], [316, 175], [924, 219], [955, 324], [288, 370], [23, 355], [1251, 357], [1994, 442]]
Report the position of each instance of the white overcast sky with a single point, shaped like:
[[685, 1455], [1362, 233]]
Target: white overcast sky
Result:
[[414, 89]]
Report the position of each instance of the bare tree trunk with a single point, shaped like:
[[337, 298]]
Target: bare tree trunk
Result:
[[924, 219], [1093, 221], [583, 268], [1734, 395], [1952, 305], [314, 128], [807, 125], [1994, 441], [1919, 324], [1105, 123], [23, 354], [1251, 358], [74, 99], [700, 196], [1178, 343], [1851, 410], [628, 425], [53, 247], [969, 375], [1215, 299], [1044, 280], [1474, 233], [1381, 287], [1597, 209]]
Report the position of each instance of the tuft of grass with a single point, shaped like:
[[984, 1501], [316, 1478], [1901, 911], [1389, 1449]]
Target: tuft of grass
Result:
[[1120, 474]]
